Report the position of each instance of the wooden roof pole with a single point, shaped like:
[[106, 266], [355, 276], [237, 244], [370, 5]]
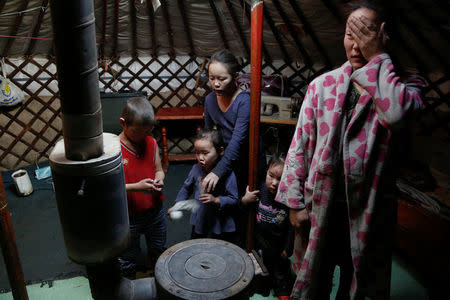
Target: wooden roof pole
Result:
[[219, 24], [2, 4], [334, 10], [36, 28], [151, 19], [187, 28], [103, 38], [15, 28], [306, 58], [9, 250], [269, 20], [133, 29], [239, 30], [255, 104], [309, 29], [267, 56], [116, 30], [166, 15]]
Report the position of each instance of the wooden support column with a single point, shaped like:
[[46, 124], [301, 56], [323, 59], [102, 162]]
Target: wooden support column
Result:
[[9, 250], [255, 104]]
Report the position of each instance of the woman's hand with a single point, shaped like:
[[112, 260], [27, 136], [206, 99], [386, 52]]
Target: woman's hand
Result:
[[250, 197], [370, 38], [209, 182], [208, 198]]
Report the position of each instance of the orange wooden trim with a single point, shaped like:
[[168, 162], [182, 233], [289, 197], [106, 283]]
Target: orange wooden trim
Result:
[[182, 157], [180, 113]]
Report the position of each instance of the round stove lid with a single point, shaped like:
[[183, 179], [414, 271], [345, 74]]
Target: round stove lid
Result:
[[204, 269]]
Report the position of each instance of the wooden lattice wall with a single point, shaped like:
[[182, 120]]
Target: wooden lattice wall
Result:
[[29, 131]]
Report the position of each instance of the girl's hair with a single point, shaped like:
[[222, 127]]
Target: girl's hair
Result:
[[226, 58], [138, 111], [213, 136], [277, 159]]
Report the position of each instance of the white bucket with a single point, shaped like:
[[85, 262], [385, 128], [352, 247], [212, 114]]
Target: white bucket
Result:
[[22, 182]]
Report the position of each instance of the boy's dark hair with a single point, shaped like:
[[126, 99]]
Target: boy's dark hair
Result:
[[213, 136], [138, 111], [277, 159], [228, 60]]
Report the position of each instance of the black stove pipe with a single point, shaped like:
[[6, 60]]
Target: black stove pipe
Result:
[[76, 58], [89, 184]]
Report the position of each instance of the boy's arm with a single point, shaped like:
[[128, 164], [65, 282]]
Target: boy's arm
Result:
[[159, 172], [145, 185], [137, 186]]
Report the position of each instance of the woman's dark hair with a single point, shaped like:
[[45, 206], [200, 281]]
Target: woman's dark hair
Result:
[[376, 6], [228, 60], [138, 111], [383, 14], [213, 136], [277, 159]]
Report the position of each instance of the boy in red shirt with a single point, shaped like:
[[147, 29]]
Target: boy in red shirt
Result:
[[144, 179]]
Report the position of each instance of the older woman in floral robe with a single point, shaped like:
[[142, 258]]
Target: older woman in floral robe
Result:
[[338, 159]]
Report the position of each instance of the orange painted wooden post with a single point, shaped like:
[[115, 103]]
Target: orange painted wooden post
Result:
[[255, 104], [9, 250]]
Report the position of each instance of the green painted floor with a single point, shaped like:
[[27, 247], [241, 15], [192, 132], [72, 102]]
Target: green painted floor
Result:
[[404, 286], [76, 288]]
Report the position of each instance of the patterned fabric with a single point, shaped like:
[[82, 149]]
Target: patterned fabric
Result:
[[309, 175]]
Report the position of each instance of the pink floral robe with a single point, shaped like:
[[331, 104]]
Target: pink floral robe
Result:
[[311, 168]]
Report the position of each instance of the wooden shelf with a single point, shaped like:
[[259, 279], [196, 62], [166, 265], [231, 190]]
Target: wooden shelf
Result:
[[177, 113], [195, 113]]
